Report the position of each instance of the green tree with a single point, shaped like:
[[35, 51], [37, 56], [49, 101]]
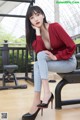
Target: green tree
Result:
[[7, 36]]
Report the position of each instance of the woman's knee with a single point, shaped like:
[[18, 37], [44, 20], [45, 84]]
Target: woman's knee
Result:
[[41, 55]]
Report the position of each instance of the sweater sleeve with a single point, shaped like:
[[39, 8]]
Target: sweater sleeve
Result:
[[37, 44], [68, 42]]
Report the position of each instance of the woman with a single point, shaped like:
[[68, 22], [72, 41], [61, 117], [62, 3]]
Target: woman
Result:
[[54, 50]]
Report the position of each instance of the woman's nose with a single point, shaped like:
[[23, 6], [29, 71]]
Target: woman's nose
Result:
[[36, 19]]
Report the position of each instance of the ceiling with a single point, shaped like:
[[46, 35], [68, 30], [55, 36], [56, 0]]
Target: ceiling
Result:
[[69, 14], [6, 7]]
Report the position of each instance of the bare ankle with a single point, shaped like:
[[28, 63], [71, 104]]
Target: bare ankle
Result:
[[47, 93]]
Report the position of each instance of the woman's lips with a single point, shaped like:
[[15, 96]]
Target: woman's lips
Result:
[[37, 23]]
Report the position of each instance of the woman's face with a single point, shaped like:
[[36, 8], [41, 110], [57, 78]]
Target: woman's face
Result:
[[37, 19]]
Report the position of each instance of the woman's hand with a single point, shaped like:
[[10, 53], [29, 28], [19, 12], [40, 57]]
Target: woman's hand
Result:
[[36, 29], [50, 55]]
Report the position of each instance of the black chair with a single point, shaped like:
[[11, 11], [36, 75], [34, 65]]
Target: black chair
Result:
[[9, 71], [67, 78]]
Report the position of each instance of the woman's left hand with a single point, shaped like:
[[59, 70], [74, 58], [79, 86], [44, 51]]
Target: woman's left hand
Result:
[[50, 55]]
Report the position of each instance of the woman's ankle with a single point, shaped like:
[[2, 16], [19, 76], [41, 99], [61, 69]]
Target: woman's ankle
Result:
[[36, 102], [47, 93], [34, 107], [46, 97]]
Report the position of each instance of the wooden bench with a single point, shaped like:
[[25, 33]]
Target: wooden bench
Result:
[[67, 78]]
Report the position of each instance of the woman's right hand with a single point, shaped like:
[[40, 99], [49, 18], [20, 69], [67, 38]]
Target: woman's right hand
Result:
[[36, 29]]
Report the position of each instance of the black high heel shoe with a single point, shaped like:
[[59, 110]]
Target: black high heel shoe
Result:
[[45, 105], [29, 116]]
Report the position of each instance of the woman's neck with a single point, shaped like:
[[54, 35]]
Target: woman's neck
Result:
[[44, 28]]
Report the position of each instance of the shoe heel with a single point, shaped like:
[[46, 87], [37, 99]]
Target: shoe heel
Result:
[[52, 104], [41, 111]]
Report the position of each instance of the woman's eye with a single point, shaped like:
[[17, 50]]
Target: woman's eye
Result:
[[37, 14], [31, 17]]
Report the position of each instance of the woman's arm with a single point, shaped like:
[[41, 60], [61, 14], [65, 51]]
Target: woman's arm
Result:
[[37, 30], [66, 39], [37, 44]]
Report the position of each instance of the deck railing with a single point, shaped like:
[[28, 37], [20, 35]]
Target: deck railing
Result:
[[19, 56], [15, 55]]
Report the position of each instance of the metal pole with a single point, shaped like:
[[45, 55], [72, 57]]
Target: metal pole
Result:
[[28, 1], [20, 16], [8, 15], [56, 11]]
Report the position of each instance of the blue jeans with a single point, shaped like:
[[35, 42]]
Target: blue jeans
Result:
[[45, 64]]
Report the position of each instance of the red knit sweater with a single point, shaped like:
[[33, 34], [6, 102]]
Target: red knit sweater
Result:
[[62, 45]]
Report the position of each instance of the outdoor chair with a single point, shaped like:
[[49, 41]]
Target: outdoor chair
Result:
[[9, 76], [9, 71]]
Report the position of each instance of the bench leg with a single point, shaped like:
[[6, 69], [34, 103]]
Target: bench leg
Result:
[[3, 79], [58, 103], [15, 79]]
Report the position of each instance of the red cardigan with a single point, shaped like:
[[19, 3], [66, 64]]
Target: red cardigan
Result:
[[62, 45]]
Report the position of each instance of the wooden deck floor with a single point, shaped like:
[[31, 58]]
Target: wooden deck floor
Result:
[[16, 102]]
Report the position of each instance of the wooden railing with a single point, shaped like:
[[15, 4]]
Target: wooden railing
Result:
[[78, 48], [20, 57], [14, 55]]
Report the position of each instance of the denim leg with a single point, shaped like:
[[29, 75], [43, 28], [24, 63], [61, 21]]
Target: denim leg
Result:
[[40, 70], [45, 64], [62, 66], [42, 63], [37, 78]]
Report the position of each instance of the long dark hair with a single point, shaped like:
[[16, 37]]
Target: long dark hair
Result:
[[30, 32]]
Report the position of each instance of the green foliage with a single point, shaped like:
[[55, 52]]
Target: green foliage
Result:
[[7, 36], [20, 42], [15, 42], [77, 41]]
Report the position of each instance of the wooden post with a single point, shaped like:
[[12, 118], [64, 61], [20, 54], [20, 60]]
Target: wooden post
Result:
[[5, 53]]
